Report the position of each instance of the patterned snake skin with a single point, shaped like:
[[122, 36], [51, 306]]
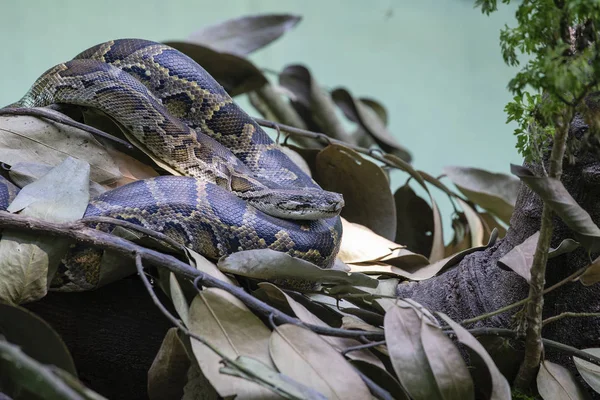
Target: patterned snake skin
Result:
[[184, 118]]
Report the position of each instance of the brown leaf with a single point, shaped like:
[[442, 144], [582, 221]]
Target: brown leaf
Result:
[[364, 185], [246, 34], [29, 139], [494, 192], [402, 327], [555, 382], [564, 205], [311, 102], [304, 356], [414, 227], [168, 373], [500, 388], [361, 113], [226, 323], [35, 337]]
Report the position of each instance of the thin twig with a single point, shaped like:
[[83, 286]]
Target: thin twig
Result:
[[41, 113], [362, 347], [81, 233], [226, 360], [374, 388], [374, 153], [138, 228], [569, 314], [547, 342]]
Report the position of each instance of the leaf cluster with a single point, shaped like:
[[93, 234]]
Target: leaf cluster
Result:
[[558, 41]]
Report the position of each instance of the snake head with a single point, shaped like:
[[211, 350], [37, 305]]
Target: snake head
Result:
[[303, 204]]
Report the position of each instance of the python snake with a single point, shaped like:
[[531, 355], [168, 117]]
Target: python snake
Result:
[[241, 191]]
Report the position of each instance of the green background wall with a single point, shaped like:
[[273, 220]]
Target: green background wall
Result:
[[435, 64]]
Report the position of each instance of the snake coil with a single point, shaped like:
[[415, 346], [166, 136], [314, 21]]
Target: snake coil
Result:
[[240, 182]]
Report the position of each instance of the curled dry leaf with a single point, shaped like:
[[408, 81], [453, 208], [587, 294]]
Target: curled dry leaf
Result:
[[369, 119], [227, 324], [168, 373], [365, 187], [589, 372], [368, 252], [555, 195], [489, 224], [305, 357], [237, 74], [475, 225], [131, 168], [494, 192], [520, 258], [269, 264], [591, 275], [28, 261], [29, 139], [243, 35], [555, 382]]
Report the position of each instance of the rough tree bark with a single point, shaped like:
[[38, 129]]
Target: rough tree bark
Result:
[[478, 285]]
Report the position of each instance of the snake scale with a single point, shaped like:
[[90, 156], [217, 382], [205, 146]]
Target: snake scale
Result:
[[239, 190]]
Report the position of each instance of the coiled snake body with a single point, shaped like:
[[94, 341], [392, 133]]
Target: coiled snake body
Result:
[[240, 183]]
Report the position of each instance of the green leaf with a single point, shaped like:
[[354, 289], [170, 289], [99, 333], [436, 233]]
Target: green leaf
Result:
[[242, 36], [269, 264], [562, 203]]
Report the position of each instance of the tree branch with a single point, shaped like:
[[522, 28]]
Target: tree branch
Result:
[[79, 232], [63, 119]]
